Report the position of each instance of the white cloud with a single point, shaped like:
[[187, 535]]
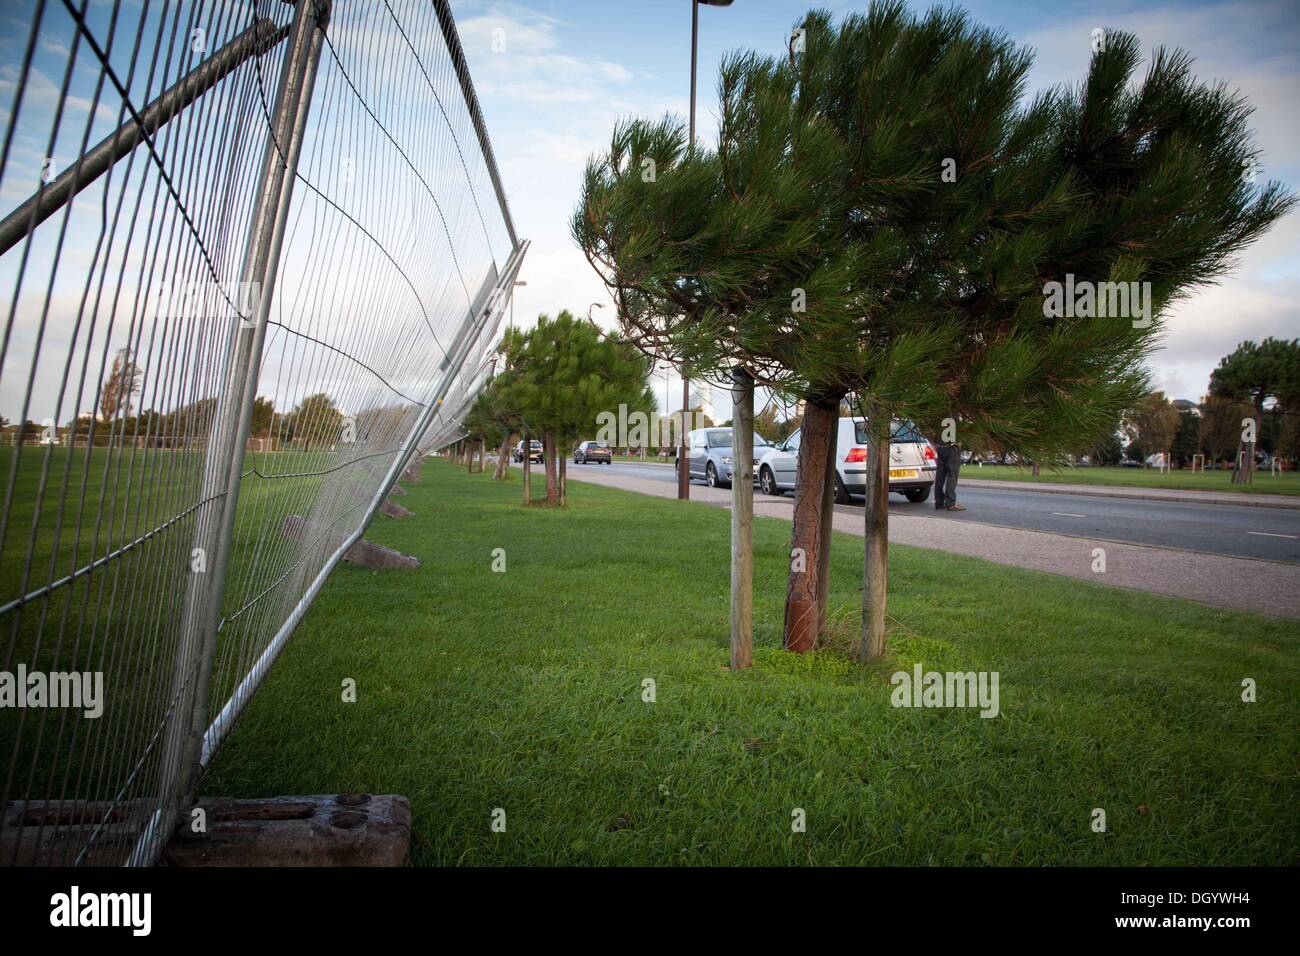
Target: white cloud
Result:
[[516, 54]]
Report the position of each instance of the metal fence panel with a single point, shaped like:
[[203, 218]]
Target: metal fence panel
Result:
[[257, 252]]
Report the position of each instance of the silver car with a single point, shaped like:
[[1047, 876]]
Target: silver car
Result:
[[911, 462], [709, 452]]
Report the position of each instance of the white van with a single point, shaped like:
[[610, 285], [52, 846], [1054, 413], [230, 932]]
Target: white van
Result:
[[911, 462]]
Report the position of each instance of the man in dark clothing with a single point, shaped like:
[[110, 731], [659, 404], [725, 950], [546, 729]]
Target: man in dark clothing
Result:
[[945, 477]]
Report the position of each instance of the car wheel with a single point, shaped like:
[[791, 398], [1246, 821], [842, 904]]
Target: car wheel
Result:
[[767, 482], [917, 495], [841, 493], [711, 476]]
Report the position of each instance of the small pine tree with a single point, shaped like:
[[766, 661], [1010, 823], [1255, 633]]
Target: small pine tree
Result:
[[563, 373]]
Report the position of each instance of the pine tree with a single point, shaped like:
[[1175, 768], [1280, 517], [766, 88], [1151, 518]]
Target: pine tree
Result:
[[563, 373], [886, 217]]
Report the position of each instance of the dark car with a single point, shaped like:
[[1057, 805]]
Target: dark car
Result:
[[534, 453], [593, 451]]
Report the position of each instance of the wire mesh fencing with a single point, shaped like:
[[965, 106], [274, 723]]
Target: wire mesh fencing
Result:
[[258, 251]]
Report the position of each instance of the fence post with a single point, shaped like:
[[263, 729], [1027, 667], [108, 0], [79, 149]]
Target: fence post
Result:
[[215, 522]]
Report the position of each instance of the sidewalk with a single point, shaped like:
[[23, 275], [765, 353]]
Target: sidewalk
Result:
[[1265, 587], [1244, 499]]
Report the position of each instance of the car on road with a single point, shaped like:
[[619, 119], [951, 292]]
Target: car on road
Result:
[[912, 462], [709, 454], [534, 451], [593, 451]]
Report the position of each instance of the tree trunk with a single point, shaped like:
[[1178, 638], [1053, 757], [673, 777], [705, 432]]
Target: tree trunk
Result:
[[528, 467], [827, 519], [876, 544], [548, 452], [683, 453], [469, 456], [742, 519], [503, 459], [564, 479], [801, 620], [1246, 474]]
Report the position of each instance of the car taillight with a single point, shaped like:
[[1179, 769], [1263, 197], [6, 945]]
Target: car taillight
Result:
[[929, 453], [856, 454]]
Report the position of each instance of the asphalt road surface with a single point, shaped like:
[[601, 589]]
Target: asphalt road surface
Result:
[[1267, 533]]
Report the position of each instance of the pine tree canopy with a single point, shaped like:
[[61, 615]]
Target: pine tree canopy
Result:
[[1258, 372], [889, 214], [564, 372]]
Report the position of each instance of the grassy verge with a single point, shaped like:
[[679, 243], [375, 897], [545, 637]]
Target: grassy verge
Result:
[[523, 690], [1287, 483], [647, 460]]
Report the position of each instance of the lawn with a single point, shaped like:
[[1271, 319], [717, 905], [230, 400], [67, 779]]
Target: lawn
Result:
[[649, 459], [523, 691], [1287, 483], [123, 618]]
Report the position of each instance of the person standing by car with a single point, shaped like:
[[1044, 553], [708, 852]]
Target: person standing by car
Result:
[[945, 477]]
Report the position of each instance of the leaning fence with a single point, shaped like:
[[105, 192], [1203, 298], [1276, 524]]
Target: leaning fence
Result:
[[258, 252]]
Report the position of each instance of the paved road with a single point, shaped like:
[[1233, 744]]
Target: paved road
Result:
[[1267, 533]]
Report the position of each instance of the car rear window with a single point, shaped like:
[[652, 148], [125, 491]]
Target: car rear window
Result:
[[898, 432], [905, 431]]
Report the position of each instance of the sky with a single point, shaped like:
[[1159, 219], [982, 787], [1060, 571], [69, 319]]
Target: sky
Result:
[[381, 258], [554, 76]]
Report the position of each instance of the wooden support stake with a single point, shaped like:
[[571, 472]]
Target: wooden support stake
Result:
[[742, 518]]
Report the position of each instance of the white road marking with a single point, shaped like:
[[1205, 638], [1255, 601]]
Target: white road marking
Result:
[[1269, 534], [1068, 514]]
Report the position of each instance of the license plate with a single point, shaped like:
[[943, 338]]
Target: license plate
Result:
[[901, 473]]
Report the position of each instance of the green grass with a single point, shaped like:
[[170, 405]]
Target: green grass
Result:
[[1287, 483], [649, 459], [117, 498], [123, 618], [522, 690]]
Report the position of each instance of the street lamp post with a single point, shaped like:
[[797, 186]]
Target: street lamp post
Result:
[[683, 465]]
